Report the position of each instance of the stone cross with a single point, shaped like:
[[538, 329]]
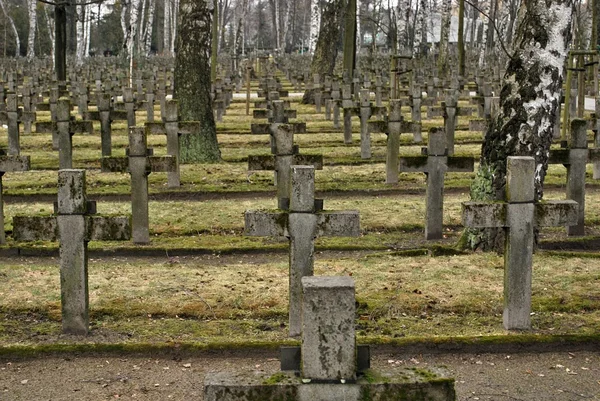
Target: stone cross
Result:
[[62, 130], [12, 117], [9, 164], [366, 111], [173, 129], [285, 154], [106, 115], [435, 165], [73, 225], [416, 97], [519, 214], [393, 126], [301, 224], [329, 366], [575, 159], [139, 163]]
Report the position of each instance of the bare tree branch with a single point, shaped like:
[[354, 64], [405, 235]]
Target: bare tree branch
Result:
[[494, 25]]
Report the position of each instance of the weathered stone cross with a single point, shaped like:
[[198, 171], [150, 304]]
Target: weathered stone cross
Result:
[[62, 131], [301, 224], [435, 165], [106, 116], [173, 129], [139, 163], [519, 214], [9, 164], [73, 225], [285, 155]]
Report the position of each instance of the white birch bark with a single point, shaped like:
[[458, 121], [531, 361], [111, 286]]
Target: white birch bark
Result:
[[315, 23], [80, 30], [277, 25], [50, 28], [482, 45], [174, 11], [141, 38], [167, 27], [420, 27], [12, 28], [88, 28], [359, 33], [125, 4], [132, 28], [148, 30], [285, 24], [32, 11]]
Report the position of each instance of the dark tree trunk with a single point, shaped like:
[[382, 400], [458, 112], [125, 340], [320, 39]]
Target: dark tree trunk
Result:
[[326, 48], [60, 36], [528, 100], [192, 80]]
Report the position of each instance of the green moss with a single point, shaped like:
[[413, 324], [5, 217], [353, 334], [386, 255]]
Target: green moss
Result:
[[276, 378]]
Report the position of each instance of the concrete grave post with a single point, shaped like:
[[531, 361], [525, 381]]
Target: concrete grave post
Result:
[[435, 165], [65, 127], [519, 214], [129, 106], [285, 155], [173, 129], [416, 112], [12, 113], [301, 225], [575, 159], [139, 164], [9, 164], [73, 225]]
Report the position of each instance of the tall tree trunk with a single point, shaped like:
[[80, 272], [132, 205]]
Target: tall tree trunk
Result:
[[530, 95], [50, 28], [167, 28], [32, 11], [192, 80], [60, 35], [444, 38], [80, 54], [174, 19], [350, 37], [12, 28], [148, 30], [325, 55], [315, 25]]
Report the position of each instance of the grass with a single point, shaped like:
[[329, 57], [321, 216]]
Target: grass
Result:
[[206, 283], [229, 298]]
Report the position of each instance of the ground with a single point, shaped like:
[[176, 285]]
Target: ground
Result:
[[517, 376]]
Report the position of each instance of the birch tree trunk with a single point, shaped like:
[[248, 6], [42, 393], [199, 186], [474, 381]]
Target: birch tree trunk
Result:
[[420, 36], [403, 13], [243, 10], [326, 49], [141, 39], [167, 27], [81, 17], [315, 24], [32, 11], [12, 28], [148, 30], [444, 37], [530, 95], [174, 28], [50, 28], [192, 80]]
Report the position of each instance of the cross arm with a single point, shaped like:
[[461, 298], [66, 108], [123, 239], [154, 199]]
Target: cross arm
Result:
[[118, 115], [261, 162], [82, 126], [484, 214], [3, 117], [309, 160], [28, 116], [115, 164], [45, 126], [378, 126], [338, 224], [413, 164], [155, 128], [263, 223], [92, 115], [556, 213], [14, 163], [464, 111], [460, 164], [108, 228], [162, 163], [35, 228]]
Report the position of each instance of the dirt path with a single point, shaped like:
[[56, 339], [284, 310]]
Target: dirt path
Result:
[[560, 376]]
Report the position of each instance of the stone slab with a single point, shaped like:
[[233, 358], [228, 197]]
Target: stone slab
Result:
[[399, 385]]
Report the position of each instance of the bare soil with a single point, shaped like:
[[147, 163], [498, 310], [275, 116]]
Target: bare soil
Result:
[[551, 376]]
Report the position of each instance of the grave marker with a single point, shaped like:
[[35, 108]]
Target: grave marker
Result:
[[73, 225], [518, 215], [435, 165], [301, 224]]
